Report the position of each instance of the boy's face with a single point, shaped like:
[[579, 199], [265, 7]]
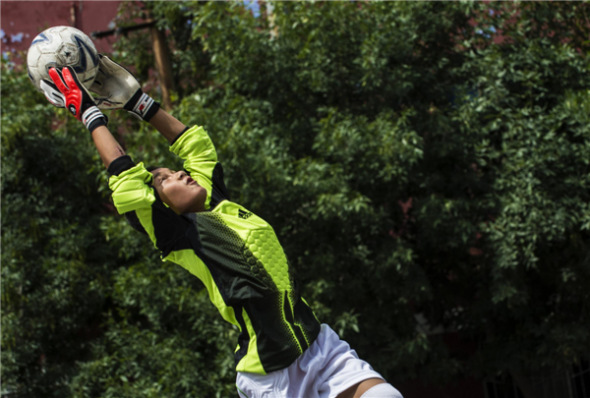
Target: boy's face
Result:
[[179, 191]]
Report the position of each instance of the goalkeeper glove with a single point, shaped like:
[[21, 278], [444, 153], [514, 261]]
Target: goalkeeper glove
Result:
[[52, 94], [117, 88], [76, 98]]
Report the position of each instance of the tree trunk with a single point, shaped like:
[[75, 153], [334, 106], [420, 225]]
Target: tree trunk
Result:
[[162, 57]]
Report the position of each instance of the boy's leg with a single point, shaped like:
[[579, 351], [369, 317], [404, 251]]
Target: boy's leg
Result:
[[371, 388], [359, 389], [329, 368], [338, 370]]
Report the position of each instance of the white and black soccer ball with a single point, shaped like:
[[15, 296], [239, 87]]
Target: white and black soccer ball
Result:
[[62, 46]]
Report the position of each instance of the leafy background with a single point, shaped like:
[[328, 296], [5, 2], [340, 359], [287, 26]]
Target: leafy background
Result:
[[425, 165]]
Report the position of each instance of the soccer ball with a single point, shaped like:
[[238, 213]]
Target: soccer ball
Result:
[[62, 46]]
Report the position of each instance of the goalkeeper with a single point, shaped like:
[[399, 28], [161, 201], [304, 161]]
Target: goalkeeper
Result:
[[282, 349]]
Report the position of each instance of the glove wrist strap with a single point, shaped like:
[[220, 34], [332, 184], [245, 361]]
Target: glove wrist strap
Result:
[[142, 105], [93, 118]]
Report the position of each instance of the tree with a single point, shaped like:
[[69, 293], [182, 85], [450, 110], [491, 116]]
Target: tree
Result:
[[424, 164], [83, 309], [424, 154], [55, 259], [531, 110]]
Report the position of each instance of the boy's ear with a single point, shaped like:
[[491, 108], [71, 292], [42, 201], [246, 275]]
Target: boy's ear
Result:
[[159, 199]]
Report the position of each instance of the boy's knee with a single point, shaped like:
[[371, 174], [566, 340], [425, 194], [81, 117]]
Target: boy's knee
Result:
[[383, 390]]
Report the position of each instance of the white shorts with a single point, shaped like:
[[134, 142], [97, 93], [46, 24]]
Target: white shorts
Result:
[[327, 368]]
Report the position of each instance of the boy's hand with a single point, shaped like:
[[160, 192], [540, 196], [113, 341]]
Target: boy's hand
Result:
[[117, 88], [76, 98], [52, 94]]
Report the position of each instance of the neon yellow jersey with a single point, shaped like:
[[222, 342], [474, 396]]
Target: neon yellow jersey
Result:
[[235, 253]]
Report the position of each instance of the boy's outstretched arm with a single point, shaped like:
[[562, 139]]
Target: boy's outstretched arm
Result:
[[108, 147], [74, 96], [116, 85], [167, 125], [116, 88]]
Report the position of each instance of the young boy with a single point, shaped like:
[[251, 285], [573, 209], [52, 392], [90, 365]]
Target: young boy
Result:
[[282, 349]]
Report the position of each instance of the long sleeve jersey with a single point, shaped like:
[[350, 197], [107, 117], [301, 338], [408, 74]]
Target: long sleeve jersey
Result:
[[235, 253]]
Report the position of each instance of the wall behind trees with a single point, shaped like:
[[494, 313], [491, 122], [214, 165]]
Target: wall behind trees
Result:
[[424, 164], [22, 21]]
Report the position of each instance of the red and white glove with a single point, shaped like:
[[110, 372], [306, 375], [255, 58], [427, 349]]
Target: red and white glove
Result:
[[52, 94], [116, 88], [76, 98]]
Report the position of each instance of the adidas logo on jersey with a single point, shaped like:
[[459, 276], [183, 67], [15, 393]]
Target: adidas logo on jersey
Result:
[[244, 214]]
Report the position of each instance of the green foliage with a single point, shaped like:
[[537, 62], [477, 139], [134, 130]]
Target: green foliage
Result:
[[425, 164], [159, 342], [54, 259], [535, 142], [79, 313]]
